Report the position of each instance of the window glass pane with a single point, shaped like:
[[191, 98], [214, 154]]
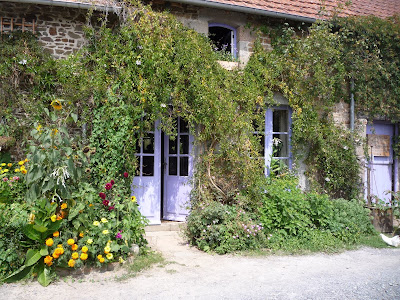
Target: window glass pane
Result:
[[172, 145], [183, 126], [173, 166], [280, 122], [280, 145], [148, 143], [184, 144], [184, 166], [148, 166]]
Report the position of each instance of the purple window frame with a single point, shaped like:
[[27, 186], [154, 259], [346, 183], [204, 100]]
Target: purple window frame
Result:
[[234, 46]]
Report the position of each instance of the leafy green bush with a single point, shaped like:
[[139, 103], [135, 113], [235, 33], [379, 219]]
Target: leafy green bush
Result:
[[223, 228]]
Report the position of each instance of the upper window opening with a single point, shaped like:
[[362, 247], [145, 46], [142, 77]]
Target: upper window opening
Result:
[[13, 24], [223, 37]]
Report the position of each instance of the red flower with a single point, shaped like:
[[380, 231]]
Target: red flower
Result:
[[112, 182], [102, 195], [111, 208], [126, 174], [108, 186], [105, 202]]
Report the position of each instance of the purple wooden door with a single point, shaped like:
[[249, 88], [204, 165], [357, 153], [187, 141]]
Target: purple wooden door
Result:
[[147, 181], [379, 176], [178, 168]]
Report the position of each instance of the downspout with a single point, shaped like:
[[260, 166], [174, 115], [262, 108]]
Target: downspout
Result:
[[352, 104], [80, 5], [247, 10]]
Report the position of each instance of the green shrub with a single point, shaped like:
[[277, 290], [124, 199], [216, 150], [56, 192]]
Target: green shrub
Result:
[[223, 228]]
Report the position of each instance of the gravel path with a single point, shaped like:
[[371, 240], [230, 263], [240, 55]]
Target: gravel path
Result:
[[190, 274]]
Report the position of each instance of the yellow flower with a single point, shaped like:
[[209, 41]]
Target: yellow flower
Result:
[[74, 247], [31, 218], [64, 206], [56, 233], [102, 260], [85, 249], [53, 218], [89, 241], [21, 162], [56, 255], [39, 128], [16, 170], [71, 263], [105, 231], [22, 168], [59, 251], [70, 242], [48, 260], [75, 255], [26, 160], [107, 250], [96, 223], [49, 242], [5, 171], [54, 131], [121, 260], [9, 165], [24, 171], [99, 256], [109, 256], [81, 234], [59, 246], [84, 256], [133, 199], [104, 220], [56, 104], [3, 164]]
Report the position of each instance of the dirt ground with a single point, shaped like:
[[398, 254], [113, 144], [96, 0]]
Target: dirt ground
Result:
[[190, 274]]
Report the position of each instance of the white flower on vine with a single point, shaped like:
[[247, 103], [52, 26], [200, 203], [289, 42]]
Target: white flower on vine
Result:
[[61, 174], [327, 179], [138, 62], [23, 62], [163, 105], [276, 141]]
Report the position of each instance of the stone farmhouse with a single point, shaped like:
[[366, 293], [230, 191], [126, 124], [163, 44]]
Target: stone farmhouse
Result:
[[163, 176]]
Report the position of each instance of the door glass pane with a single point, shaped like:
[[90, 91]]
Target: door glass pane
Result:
[[173, 144], [280, 144], [280, 121], [183, 126], [148, 166], [184, 166], [184, 144], [148, 143], [173, 166]]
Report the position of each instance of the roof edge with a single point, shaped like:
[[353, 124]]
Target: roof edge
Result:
[[244, 9], [80, 5]]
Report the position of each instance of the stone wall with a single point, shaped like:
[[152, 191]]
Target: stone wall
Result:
[[60, 29]]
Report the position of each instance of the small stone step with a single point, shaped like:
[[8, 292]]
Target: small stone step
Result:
[[165, 226]]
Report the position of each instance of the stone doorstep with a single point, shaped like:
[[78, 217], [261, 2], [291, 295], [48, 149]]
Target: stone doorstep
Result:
[[166, 226]]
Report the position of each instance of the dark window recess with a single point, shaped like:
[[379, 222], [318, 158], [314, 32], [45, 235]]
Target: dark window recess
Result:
[[139, 146], [173, 145], [221, 37], [183, 126], [148, 166], [184, 166], [148, 143], [281, 146], [173, 166], [280, 121], [184, 144]]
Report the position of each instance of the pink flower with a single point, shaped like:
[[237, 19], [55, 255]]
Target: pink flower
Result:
[[108, 186], [5, 179], [102, 195], [118, 236], [111, 207], [126, 174], [112, 182], [106, 202]]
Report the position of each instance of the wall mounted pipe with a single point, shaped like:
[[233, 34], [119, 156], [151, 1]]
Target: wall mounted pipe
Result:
[[352, 104]]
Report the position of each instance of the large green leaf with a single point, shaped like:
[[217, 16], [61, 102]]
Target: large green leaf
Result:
[[32, 256], [31, 233], [75, 211], [44, 250], [19, 274], [40, 228], [54, 226], [44, 275]]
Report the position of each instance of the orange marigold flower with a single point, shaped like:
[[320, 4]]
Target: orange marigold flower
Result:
[[56, 104], [24, 171], [85, 249], [70, 242], [102, 260], [48, 260], [56, 233], [49, 242], [74, 247], [75, 255], [84, 256], [81, 234], [59, 246], [59, 218], [55, 255], [71, 263], [64, 206]]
